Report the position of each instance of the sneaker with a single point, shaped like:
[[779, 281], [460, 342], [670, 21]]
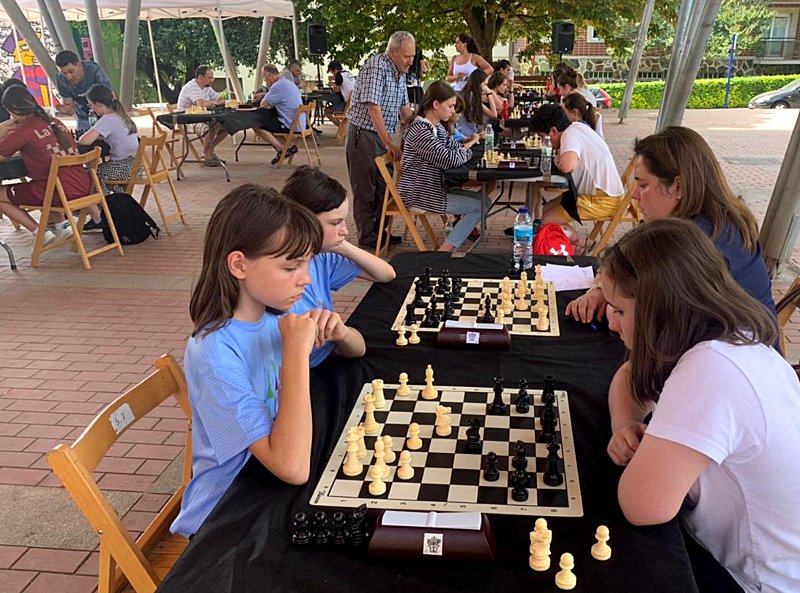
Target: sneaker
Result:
[[92, 226], [49, 237], [61, 231], [474, 235], [276, 159]]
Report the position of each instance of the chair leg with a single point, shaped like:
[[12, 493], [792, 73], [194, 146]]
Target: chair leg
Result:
[[160, 208], [385, 220], [238, 146], [288, 142], [426, 224], [177, 201]]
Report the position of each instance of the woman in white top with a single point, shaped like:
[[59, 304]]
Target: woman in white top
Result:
[[466, 62], [721, 448]]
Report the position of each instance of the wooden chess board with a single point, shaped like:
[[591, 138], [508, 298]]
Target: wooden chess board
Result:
[[519, 323], [446, 476]]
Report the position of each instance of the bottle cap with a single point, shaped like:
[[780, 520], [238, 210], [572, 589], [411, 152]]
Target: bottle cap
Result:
[[523, 210]]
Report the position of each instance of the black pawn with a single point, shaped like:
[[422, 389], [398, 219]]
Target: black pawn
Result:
[[431, 316], [497, 407], [300, 533], [321, 531], [474, 443], [491, 473], [552, 473], [523, 400], [549, 391], [519, 461], [520, 491], [419, 302], [339, 536], [411, 316], [548, 423]]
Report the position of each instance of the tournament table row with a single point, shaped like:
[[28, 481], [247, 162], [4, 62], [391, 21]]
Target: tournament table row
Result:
[[244, 545]]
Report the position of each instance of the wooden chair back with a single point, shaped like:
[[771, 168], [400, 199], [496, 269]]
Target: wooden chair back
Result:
[[121, 557], [627, 211], [343, 117], [56, 200], [786, 307], [300, 131], [172, 138]]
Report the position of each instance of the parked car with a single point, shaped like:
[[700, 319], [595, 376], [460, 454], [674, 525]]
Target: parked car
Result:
[[602, 98], [784, 98]]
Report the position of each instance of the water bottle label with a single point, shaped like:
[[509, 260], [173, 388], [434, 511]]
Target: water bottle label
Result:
[[523, 234]]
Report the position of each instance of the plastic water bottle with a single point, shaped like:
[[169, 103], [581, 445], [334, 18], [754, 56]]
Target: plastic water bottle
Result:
[[92, 118], [489, 142], [523, 240], [547, 156]]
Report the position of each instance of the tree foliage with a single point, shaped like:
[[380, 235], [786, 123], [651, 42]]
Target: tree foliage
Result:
[[746, 18]]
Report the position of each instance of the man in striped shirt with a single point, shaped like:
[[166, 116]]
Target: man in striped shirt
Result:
[[379, 100]]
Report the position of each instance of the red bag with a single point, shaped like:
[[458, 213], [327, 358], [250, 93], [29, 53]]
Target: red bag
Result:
[[552, 240]]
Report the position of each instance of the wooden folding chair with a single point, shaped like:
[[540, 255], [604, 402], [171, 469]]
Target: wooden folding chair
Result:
[[343, 118], [393, 206], [145, 561], [299, 132], [173, 138], [150, 169], [785, 308], [627, 211], [73, 207], [187, 137]]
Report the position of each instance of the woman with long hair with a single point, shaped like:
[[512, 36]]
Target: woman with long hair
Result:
[[501, 86], [38, 137], [427, 151], [579, 109], [479, 105], [725, 408], [466, 61]]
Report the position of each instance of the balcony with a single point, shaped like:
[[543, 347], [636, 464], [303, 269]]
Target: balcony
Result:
[[777, 48]]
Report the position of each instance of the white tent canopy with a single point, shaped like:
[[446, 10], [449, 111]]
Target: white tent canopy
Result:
[[75, 10]]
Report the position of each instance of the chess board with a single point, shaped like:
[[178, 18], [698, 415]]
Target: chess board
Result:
[[446, 476], [519, 323]]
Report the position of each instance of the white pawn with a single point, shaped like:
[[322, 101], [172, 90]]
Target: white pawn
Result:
[[390, 455], [379, 468], [413, 442], [377, 391], [601, 550], [362, 446], [413, 338], [501, 315], [370, 424], [564, 577], [377, 486], [403, 389], [352, 466], [405, 471], [401, 338], [429, 392]]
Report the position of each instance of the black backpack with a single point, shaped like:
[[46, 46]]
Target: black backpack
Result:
[[133, 224]]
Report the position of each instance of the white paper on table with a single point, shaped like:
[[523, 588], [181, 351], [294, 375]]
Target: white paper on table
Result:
[[471, 521], [568, 277]]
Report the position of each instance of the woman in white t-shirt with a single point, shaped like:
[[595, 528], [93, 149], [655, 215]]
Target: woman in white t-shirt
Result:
[[465, 62], [722, 444]]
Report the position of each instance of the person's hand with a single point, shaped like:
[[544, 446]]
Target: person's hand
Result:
[[298, 332], [474, 139], [587, 306], [482, 134], [393, 150], [330, 327], [625, 441]]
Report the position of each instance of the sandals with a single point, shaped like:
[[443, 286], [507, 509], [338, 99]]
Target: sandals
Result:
[[291, 151]]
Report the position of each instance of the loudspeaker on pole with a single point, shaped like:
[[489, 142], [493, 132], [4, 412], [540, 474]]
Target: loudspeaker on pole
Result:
[[317, 40], [563, 37]]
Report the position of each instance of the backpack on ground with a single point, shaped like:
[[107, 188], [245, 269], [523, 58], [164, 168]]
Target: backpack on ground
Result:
[[551, 240], [133, 224]]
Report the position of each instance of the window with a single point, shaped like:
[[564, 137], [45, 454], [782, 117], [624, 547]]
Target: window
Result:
[[591, 35]]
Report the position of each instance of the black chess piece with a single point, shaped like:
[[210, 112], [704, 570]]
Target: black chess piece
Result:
[[449, 310], [474, 442], [339, 532], [419, 302], [491, 473], [301, 536], [549, 391], [358, 530], [431, 316], [523, 399], [411, 316], [487, 310], [520, 460], [321, 531], [497, 407], [427, 289], [520, 491], [549, 423], [552, 473]]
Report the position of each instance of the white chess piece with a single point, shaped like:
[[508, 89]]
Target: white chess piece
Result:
[[543, 319], [429, 392], [389, 454], [540, 526], [413, 338], [362, 447], [377, 486], [352, 466], [405, 471], [401, 336], [379, 468], [540, 553], [414, 442], [443, 427], [377, 391], [601, 550], [564, 578], [370, 425], [403, 390]]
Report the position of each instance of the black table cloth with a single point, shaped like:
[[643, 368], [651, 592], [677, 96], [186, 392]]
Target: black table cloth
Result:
[[14, 167], [244, 545]]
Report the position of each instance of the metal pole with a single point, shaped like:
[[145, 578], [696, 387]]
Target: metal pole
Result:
[[676, 58], [48, 21], [61, 26], [295, 33], [96, 34], [130, 41], [638, 49], [730, 70], [22, 24], [692, 63], [263, 48], [783, 204], [155, 63], [231, 75]]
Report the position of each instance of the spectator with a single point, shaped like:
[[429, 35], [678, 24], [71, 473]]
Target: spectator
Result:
[[294, 73], [198, 92], [73, 81], [280, 105], [479, 105], [343, 83], [380, 99], [465, 62], [579, 109]]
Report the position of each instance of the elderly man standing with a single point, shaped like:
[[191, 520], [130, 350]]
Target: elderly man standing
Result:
[[379, 100], [198, 92], [73, 80]]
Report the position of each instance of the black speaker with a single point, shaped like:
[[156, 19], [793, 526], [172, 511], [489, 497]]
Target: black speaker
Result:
[[563, 38], [317, 40]]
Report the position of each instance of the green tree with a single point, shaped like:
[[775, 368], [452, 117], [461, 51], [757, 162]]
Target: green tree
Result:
[[746, 18]]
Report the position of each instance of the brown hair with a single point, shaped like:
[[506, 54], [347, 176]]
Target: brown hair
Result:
[[98, 93], [577, 102], [684, 295], [258, 221], [19, 101], [680, 152], [496, 79], [471, 93]]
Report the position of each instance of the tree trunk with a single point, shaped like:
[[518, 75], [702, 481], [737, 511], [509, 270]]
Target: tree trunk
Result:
[[484, 27]]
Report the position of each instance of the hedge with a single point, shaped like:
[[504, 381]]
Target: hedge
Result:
[[706, 93]]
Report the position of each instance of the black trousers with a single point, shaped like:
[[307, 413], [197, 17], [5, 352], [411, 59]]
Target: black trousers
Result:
[[367, 185]]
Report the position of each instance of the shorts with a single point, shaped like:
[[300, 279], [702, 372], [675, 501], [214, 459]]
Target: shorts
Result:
[[590, 207], [272, 123], [27, 194], [338, 107]]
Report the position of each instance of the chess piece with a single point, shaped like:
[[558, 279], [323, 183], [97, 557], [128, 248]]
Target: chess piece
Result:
[[414, 442], [549, 390], [390, 455], [379, 468], [429, 392], [377, 486], [362, 446], [564, 578], [413, 338], [520, 460], [401, 336], [352, 466], [491, 473], [523, 403], [321, 531], [548, 423], [522, 285], [443, 427], [405, 471], [474, 442], [419, 302], [520, 490], [601, 550], [487, 311], [542, 319], [498, 407], [370, 425], [300, 533], [411, 316], [339, 531], [540, 552], [356, 527], [552, 473], [377, 391], [403, 390], [540, 526]]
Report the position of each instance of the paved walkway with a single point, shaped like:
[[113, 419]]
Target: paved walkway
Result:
[[72, 340]]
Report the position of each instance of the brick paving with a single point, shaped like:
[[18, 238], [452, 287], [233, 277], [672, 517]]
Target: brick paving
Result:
[[72, 340]]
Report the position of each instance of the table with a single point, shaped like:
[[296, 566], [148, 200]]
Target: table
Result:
[[321, 98], [179, 118], [14, 168], [244, 545]]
